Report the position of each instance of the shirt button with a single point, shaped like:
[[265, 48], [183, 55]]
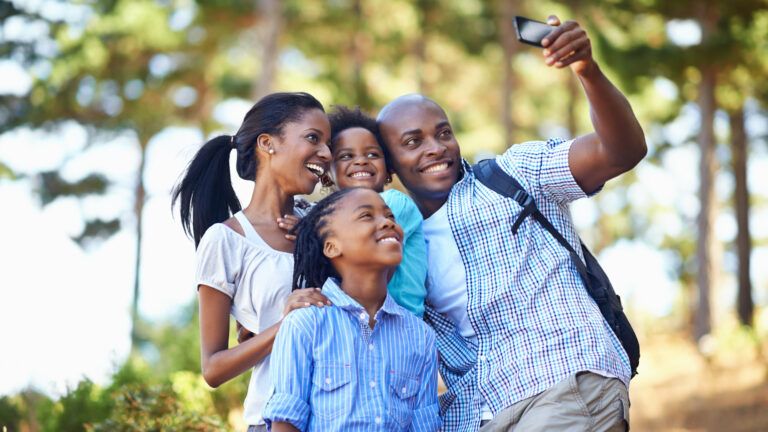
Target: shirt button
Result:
[[370, 347], [327, 380], [377, 420], [372, 384], [403, 390], [362, 315]]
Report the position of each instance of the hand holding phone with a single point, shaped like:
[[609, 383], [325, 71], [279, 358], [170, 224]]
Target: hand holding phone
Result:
[[565, 45], [531, 31]]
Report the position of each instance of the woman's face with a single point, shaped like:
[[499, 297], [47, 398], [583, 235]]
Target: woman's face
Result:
[[362, 232], [301, 155], [358, 160]]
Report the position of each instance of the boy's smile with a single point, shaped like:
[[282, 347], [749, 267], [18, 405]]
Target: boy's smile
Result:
[[358, 160]]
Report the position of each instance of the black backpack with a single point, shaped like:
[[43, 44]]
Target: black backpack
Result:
[[595, 280]]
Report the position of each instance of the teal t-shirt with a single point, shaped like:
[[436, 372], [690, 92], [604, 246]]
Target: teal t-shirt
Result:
[[408, 284]]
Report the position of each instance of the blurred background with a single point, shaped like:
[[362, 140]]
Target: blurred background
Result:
[[104, 102]]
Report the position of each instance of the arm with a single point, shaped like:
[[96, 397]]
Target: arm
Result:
[[426, 415], [221, 363], [618, 143], [291, 371]]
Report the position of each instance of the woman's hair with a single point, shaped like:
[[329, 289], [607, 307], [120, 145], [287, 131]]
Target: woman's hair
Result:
[[310, 266], [343, 118], [205, 191]]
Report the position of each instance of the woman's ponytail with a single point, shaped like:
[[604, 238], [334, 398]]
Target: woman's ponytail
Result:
[[205, 191]]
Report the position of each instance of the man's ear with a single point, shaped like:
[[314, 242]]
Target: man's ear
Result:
[[331, 250]]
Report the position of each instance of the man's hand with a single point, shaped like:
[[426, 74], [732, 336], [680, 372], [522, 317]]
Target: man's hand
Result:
[[568, 45]]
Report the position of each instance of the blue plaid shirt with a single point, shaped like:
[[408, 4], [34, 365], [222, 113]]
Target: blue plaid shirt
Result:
[[534, 320], [332, 373]]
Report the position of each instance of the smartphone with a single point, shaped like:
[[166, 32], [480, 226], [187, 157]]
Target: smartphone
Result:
[[530, 31]]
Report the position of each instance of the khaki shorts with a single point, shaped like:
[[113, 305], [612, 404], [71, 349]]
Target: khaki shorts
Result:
[[584, 401]]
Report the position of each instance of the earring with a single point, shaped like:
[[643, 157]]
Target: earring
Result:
[[388, 180], [271, 151]]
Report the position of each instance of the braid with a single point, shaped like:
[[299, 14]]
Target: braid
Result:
[[311, 267]]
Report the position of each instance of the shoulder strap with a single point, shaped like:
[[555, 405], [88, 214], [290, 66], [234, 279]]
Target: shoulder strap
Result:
[[493, 177]]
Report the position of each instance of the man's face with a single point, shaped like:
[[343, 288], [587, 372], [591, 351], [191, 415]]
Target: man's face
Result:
[[424, 151]]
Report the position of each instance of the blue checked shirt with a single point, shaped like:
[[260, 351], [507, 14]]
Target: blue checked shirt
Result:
[[332, 373], [534, 320]]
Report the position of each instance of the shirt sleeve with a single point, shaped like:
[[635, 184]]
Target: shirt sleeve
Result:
[[291, 372], [426, 416], [217, 262], [542, 166]]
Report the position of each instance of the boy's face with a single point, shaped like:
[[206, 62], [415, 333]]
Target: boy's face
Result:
[[362, 232], [358, 160], [425, 154]]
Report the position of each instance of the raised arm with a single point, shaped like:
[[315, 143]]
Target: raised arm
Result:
[[618, 143]]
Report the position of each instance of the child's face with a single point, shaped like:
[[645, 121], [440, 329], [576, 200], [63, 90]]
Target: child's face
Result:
[[362, 232], [358, 160]]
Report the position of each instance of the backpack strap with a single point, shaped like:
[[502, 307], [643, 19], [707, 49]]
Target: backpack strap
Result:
[[494, 178]]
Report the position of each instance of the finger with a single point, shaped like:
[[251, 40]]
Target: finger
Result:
[[552, 37], [290, 237], [291, 219], [566, 37], [567, 50], [553, 20], [579, 55]]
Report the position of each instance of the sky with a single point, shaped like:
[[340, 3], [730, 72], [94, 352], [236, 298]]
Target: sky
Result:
[[65, 310]]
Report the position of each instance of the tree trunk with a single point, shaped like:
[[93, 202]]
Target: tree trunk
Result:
[[358, 59], [744, 303], [704, 248], [421, 47], [138, 209], [270, 28], [510, 45]]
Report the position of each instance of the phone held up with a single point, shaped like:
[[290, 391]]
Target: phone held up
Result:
[[530, 31]]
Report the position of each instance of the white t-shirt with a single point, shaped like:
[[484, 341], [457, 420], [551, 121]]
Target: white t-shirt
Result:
[[447, 279], [258, 280]]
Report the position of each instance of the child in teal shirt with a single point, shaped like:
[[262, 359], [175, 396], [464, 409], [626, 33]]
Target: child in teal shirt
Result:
[[358, 161]]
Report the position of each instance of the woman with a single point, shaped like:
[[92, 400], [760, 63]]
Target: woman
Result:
[[245, 262]]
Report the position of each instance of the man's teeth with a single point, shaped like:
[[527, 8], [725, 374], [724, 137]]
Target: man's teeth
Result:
[[361, 174], [389, 240], [316, 169], [436, 168]]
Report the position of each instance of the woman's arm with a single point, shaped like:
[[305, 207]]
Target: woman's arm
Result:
[[221, 363]]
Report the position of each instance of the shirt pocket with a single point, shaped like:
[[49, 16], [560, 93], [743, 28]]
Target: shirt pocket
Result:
[[332, 391], [403, 391]]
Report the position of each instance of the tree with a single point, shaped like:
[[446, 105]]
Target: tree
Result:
[[130, 68], [648, 56]]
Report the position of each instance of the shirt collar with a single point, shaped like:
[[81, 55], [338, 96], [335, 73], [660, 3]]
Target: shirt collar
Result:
[[338, 297]]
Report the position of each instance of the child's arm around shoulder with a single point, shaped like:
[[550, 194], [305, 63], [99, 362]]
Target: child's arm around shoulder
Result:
[[291, 368]]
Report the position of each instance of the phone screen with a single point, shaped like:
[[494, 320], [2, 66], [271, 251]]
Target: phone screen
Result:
[[530, 31]]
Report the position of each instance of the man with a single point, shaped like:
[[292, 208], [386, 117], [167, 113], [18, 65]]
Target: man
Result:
[[522, 345]]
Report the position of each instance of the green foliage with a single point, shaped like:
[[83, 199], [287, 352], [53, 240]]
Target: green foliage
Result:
[[10, 415], [155, 408]]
